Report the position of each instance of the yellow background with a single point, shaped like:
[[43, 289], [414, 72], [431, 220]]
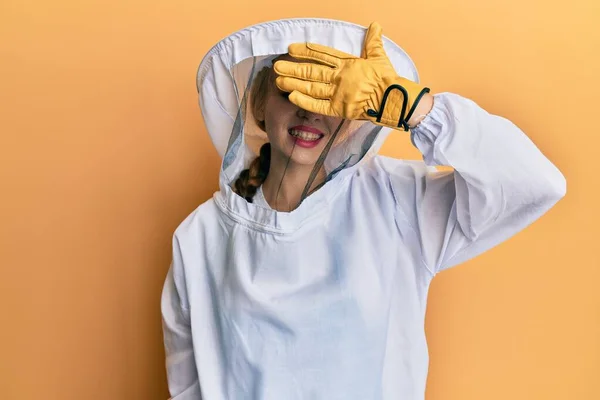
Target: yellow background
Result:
[[103, 153]]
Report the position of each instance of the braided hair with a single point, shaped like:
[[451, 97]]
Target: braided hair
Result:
[[252, 178]]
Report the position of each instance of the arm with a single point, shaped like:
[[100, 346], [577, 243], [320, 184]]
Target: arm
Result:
[[181, 367], [501, 182], [421, 110]]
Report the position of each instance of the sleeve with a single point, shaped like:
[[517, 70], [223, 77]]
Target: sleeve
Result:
[[500, 183], [182, 375]]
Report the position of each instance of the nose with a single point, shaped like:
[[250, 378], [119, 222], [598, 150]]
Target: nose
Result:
[[308, 115]]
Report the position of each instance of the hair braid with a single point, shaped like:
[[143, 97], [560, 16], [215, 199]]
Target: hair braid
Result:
[[250, 179]]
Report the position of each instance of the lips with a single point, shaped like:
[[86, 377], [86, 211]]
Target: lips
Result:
[[305, 128], [306, 136]]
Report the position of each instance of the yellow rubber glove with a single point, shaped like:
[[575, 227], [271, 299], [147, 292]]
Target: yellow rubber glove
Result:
[[338, 84]]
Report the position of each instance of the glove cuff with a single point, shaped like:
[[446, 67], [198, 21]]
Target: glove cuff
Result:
[[398, 103]]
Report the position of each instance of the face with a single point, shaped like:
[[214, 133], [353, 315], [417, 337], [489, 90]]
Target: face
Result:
[[293, 132]]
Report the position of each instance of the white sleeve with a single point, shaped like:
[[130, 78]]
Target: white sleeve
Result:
[[500, 183], [181, 367]]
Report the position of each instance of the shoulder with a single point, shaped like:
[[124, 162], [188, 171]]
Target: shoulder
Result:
[[396, 172], [195, 241], [407, 182], [402, 168], [387, 182], [198, 224]]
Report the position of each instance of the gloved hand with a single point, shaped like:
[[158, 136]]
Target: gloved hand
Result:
[[343, 85]]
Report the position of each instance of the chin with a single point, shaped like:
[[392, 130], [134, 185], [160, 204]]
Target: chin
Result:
[[307, 160], [306, 156]]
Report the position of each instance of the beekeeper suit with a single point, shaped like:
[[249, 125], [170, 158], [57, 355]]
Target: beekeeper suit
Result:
[[326, 298]]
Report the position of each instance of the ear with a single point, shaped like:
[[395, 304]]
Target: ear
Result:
[[260, 115], [257, 107]]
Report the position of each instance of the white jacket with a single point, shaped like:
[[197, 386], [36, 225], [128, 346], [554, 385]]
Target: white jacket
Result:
[[328, 301]]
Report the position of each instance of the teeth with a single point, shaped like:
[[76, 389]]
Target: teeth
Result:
[[308, 136]]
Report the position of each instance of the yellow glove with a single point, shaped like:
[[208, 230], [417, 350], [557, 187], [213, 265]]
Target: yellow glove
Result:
[[343, 85]]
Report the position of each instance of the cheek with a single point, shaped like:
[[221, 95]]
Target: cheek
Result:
[[333, 123], [279, 114], [345, 131]]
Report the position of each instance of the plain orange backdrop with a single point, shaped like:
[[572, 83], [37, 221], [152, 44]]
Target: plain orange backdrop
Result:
[[103, 153]]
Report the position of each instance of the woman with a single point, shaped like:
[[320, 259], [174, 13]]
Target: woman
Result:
[[306, 276]]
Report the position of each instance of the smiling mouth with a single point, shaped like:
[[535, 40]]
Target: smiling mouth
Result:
[[305, 136]]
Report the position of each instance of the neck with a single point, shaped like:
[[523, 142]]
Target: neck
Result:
[[284, 186]]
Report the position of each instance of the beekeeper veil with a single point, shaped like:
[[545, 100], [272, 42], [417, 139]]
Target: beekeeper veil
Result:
[[235, 74]]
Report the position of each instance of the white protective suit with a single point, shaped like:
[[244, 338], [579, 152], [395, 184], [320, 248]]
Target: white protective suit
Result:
[[328, 301]]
